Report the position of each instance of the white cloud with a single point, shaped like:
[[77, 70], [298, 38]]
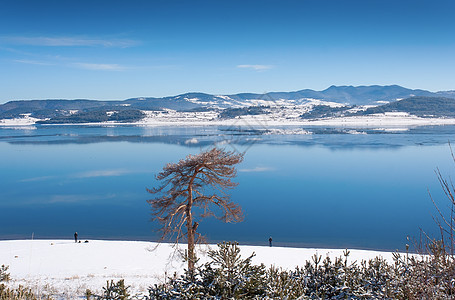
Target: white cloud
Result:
[[41, 178], [88, 174], [79, 65], [76, 198], [255, 67], [32, 62], [67, 41], [101, 173], [100, 67], [256, 169]]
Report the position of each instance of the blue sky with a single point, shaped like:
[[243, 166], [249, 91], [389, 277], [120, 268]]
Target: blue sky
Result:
[[120, 49]]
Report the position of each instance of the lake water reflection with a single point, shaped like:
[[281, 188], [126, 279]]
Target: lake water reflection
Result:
[[331, 188]]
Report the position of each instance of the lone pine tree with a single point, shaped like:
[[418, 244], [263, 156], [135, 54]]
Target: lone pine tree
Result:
[[199, 181]]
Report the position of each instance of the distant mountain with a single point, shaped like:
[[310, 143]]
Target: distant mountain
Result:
[[359, 95], [88, 109], [50, 108], [447, 94], [180, 102], [362, 95]]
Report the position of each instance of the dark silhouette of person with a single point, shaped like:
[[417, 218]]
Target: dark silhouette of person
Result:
[[75, 237], [270, 241]]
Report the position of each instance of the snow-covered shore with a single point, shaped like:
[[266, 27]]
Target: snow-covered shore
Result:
[[66, 267], [186, 119]]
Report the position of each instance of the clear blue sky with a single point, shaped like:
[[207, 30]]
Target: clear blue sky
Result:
[[120, 49]]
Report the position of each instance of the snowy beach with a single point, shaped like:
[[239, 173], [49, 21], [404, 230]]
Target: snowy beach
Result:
[[68, 268]]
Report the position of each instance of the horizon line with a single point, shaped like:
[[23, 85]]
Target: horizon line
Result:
[[218, 94]]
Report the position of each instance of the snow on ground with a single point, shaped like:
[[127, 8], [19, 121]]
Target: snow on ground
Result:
[[290, 118], [286, 117], [383, 120], [64, 267], [25, 120], [316, 102]]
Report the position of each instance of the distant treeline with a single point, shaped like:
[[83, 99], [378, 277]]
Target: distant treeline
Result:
[[324, 111], [131, 115], [418, 106], [230, 113]]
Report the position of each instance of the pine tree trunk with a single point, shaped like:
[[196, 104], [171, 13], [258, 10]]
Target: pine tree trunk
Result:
[[190, 232], [191, 256]]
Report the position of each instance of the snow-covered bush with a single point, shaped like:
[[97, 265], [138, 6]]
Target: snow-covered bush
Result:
[[428, 277], [4, 275], [228, 276], [112, 291], [19, 293], [117, 291], [235, 276]]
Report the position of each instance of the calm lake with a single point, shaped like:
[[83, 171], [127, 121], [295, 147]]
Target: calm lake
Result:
[[330, 188]]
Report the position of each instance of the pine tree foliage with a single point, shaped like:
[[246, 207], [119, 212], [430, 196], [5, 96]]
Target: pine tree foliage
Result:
[[115, 291], [236, 277], [227, 276], [112, 291]]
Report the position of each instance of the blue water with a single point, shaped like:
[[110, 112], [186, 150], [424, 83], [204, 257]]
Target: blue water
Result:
[[327, 189]]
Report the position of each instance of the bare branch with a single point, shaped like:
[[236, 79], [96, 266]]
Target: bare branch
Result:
[[184, 185]]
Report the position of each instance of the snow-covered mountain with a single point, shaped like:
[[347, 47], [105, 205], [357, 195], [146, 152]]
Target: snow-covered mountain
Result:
[[307, 104], [350, 95]]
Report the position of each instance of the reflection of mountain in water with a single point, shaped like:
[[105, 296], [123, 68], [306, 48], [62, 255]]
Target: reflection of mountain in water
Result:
[[201, 137]]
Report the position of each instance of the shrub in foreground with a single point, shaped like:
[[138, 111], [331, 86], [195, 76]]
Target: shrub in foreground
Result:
[[4, 275], [19, 293], [112, 291], [228, 276]]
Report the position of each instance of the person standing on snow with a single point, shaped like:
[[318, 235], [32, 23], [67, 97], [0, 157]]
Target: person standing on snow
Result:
[[75, 237]]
